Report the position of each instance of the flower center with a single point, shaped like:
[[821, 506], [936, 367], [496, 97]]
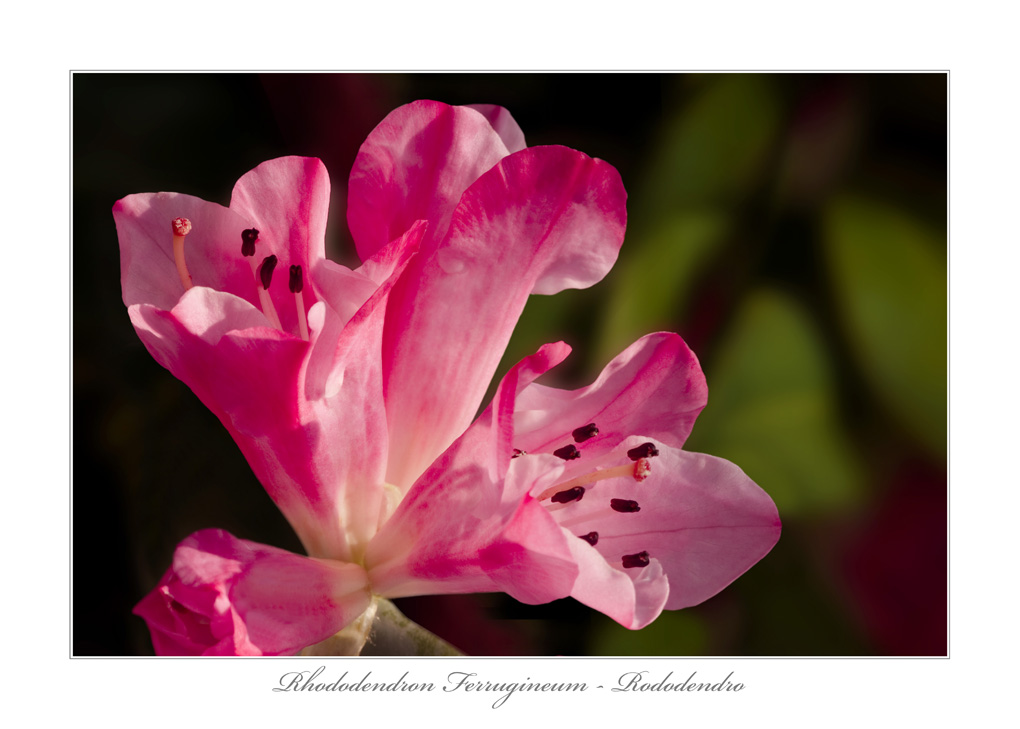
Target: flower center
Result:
[[563, 496], [262, 273]]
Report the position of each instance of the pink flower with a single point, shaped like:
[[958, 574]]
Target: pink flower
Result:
[[351, 393]]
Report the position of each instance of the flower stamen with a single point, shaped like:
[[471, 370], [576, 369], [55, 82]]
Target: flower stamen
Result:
[[624, 506], [265, 277], [180, 228], [567, 452], [296, 285], [584, 433], [567, 495], [636, 560], [645, 450]]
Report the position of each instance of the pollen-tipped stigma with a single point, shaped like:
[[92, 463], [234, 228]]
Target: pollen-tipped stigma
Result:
[[180, 228]]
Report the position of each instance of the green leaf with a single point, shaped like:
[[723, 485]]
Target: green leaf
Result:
[[889, 277], [772, 409], [713, 148]]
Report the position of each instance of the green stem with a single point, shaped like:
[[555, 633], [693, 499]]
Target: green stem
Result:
[[382, 630]]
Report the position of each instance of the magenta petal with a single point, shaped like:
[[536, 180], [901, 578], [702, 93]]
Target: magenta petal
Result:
[[544, 218], [468, 525], [415, 165], [228, 596], [247, 377], [530, 561]]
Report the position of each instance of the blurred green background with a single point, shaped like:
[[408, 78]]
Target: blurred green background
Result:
[[792, 228]]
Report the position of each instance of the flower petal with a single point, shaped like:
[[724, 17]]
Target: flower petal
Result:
[[229, 596], [654, 387], [212, 249], [287, 201], [543, 219], [415, 165], [249, 378], [633, 600], [504, 124], [468, 524], [700, 517]]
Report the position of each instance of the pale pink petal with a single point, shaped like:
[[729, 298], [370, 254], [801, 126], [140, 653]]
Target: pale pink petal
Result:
[[468, 525], [212, 249], [414, 166], [229, 596], [287, 201], [633, 600], [504, 124], [700, 517], [655, 387], [544, 218]]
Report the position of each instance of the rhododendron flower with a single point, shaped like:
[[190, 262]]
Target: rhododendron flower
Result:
[[353, 393]]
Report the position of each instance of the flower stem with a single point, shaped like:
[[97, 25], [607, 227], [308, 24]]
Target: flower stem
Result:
[[382, 630], [393, 634], [349, 641]]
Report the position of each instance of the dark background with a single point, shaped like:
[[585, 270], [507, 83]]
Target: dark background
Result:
[[792, 228]]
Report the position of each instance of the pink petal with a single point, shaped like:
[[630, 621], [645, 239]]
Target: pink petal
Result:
[[212, 249], [319, 449], [228, 596], [504, 124], [287, 201], [468, 525], [655, 387], [309, 416], [346, 290], [248, 377], [415, 166], [543, 219], [633, 600], [699, 517]]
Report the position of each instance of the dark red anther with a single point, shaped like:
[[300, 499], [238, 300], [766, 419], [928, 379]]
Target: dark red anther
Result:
[[591, 537], [645, 450], [567, 452], [635, 560], [266, 271], [584, 433], [624, 506], [518, 453], [568, 495], [297, 281], [248, 238]]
